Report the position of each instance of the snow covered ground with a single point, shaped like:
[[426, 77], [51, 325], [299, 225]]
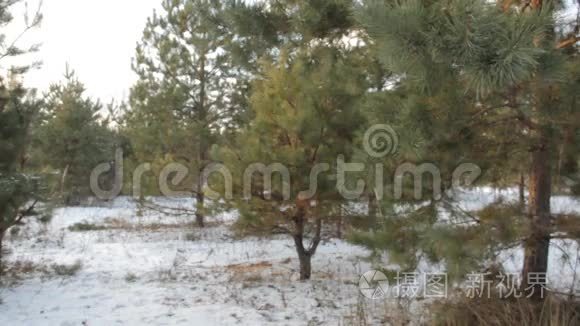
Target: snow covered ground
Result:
[[147, 273], [159, 270]]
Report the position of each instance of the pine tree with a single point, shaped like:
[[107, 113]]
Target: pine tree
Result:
[[72, 137], [306, 114], [305, 104], [19, 191], [186, 93], [486, 82]]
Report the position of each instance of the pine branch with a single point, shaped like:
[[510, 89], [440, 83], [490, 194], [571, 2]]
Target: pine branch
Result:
[[26, 212], [570, 41], [36, 21]]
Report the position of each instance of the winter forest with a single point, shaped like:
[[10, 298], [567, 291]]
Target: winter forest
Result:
[[292, 162]]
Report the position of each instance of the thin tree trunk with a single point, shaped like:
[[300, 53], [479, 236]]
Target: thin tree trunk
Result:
[[305, 255], [63, 178], [339, 223], [298, 235], [201, 155], [1, 251], [305, 265], [557, 181], [200, 197], [199, 216], [537, 245], [522, 190], [372, 210]]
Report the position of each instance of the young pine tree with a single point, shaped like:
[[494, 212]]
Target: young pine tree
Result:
[[19, 191], [72, 137], [186, 93], [493, 80], [306, 114], [314, 72]]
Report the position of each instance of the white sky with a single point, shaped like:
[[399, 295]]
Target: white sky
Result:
[[96, 37]]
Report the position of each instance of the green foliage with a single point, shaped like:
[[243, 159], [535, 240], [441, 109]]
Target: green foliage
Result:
[[306, 112], [266, 26], [19, 191], [189, 93], [16, 190], [474, 82], [305, 104], [488, 48], [16, 118], [72, 137]]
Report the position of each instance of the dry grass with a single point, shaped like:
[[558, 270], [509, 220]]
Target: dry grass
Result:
[[252, 273], [391, 312], [249, 268], [17, 271], [20, 269], [358, 315], [120, 224], [85, 227], [67, 269], [553, 311]]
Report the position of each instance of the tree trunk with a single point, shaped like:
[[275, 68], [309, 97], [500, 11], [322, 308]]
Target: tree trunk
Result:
[[201, 155], [537, 245], [305, 265], [522, 190], [1, 251], [200, 198], [372, 210], [199, 216], [339, 223], [63, 179], [305, 255]]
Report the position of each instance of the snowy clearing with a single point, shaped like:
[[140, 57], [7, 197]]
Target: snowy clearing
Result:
[[168, 276], [158, 270]]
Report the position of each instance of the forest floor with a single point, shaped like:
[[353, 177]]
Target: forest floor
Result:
[[107, 266]]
